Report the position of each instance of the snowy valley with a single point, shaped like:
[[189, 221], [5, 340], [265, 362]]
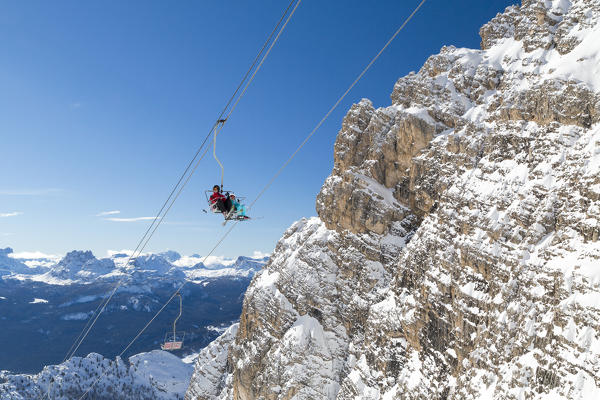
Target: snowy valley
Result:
[[45, 301]]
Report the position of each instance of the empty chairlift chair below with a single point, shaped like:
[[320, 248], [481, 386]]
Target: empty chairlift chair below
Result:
[[174, 340]]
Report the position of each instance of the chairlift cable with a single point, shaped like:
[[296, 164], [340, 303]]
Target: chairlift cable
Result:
[[218, 125], [285, 164], [228, 115], [220, 122]]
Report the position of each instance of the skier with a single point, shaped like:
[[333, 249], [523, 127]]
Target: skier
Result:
[[219, 201], [238, 207]]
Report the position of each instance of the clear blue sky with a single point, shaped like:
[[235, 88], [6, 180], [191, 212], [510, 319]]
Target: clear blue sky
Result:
[[103, 103]]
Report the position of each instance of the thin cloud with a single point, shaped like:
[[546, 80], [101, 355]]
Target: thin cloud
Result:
[[127, 252], [124, 251], [75, 105], [260, 254], [11, 214], [33, 255], [105, 213], [29, 192], [130, 219]]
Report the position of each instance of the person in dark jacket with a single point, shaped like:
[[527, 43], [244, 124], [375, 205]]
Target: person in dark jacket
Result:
[[219, 201]]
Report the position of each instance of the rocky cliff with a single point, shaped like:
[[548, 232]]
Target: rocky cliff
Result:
[[456, 251]]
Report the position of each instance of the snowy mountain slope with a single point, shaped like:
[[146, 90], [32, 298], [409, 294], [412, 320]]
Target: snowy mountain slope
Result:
[[456, 252], [212, 362], [155, 375]]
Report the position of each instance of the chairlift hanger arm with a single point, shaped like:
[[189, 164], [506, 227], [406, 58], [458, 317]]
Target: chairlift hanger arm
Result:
[[217, 131], [179, 316]]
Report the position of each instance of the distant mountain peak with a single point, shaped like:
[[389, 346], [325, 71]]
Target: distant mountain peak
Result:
[[77, 257], [6, 251], [170, 255]]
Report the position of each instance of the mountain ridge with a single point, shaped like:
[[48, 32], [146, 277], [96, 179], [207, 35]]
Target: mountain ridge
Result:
[[81, 266]]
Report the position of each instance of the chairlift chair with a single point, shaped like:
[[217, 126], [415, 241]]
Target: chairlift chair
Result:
[[213, 207], [174, 341]]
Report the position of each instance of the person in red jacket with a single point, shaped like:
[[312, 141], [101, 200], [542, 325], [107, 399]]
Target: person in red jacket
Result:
[[219, 201]]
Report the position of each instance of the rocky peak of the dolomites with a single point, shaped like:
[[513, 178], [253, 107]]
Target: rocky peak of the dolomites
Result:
[[456, 252]]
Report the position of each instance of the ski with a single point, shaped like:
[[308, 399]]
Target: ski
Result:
[[236, 218]]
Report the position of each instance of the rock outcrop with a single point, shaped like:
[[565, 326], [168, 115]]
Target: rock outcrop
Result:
[[456, 251]]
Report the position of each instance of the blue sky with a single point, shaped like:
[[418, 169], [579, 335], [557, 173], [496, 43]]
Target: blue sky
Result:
[[103, 103]]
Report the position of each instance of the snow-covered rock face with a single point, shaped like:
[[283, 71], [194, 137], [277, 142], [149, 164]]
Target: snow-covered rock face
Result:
[[171, 256], [154, 265], [210, 366], [81, 265], [456, 252], [301, 313]]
